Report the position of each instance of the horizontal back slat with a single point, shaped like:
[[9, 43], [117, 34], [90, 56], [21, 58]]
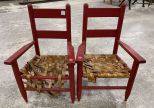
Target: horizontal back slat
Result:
[[103, 12], [101, 33], [49, 13], [52, 34]]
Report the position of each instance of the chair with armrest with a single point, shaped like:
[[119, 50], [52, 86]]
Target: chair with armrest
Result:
[[93, 66], [46, 72]]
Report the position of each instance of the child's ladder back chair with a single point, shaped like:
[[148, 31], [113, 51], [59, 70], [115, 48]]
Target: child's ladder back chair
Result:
[[46, 72], [93, 66]]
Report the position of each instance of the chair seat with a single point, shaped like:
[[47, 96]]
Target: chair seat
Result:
[[104, 66], [46, 65]]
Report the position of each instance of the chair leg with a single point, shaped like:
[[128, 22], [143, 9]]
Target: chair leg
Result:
[[79, 81], [131, 80], [143, 3], [130, 4], [72, 82], [128, 89], [19, 81], [134, 2], [110, 1], [121, 2]]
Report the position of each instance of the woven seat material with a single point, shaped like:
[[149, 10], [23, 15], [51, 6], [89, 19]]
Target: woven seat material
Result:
[[46, 65], [104, 66]]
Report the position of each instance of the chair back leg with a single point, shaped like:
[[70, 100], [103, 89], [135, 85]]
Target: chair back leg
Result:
[[19, 81]]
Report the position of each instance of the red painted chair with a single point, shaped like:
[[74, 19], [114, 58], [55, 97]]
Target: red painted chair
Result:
[[68, 60], [94, 66]]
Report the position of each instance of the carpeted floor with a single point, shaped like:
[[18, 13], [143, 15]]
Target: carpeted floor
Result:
[[138, 32]]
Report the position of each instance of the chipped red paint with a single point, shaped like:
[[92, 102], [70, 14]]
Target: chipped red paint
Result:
[[115, 33], [46, 13]]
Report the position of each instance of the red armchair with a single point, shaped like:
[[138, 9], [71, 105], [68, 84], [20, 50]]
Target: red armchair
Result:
[[58, 64], [93, 66]]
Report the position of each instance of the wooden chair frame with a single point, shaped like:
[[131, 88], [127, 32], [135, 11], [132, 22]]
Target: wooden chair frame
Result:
[[12, 60], [115, 33]]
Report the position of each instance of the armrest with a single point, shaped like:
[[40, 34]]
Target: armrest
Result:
[[132, 53], [17, 54], [70, 51], [81, 51]]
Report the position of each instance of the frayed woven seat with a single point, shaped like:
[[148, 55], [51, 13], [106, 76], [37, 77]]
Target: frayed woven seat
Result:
[[104, 66], [49, 65]]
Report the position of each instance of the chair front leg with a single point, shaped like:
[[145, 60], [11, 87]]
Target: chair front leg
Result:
[[79, 80], [121, 2], [110, 1], [131, 79], [19, 81], [130, 1], [72, 81], [134, 2]]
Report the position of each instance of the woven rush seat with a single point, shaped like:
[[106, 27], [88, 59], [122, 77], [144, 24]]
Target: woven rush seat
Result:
[[47, 65], [104, 66]]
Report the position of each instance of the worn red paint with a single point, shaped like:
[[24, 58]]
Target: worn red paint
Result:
[[115, 33], [46, 13]]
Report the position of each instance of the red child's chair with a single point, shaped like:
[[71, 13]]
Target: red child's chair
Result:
[[46, 73], [92, 66]]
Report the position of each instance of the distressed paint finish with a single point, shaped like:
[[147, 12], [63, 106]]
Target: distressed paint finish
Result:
[[115, 33], [12, 60]]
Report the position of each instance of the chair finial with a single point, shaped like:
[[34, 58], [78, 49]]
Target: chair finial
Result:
[[68, 5], [86, 5]]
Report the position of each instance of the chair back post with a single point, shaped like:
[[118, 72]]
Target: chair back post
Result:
[[119, 28], [33, 28], [103, 12], [50, 13], [68, 22], [85, 22]]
